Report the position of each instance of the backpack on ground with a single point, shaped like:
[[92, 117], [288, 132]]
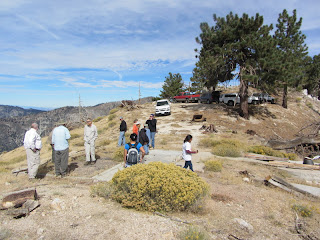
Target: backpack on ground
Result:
[[133, 154]]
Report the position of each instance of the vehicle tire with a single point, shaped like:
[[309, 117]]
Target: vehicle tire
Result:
[[208, 101], [187, 100], [272, 101], [255, 102], [169, 113], [230, 103], [174, 100]]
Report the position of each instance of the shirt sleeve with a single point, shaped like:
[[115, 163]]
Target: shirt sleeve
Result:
[[126, 147], [67, 134], [95, 133], [188, 146], [38, 142]]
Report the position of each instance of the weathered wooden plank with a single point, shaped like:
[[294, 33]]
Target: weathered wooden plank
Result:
[[18, 198]]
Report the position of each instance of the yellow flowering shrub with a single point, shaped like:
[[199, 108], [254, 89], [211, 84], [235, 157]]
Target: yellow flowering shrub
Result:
[[158, 186], [213, 165], [271, 152]]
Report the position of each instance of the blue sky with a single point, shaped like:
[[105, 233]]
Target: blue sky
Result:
[[52, 51]]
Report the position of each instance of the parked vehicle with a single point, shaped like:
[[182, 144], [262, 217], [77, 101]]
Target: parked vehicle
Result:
[[163, 107], [229, 98], [265, 97], [186, 97], [210, 97], [233, 98]]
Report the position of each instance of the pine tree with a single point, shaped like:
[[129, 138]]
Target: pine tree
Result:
[[291, 51], [313, 75], [172, 86], [234, 43]]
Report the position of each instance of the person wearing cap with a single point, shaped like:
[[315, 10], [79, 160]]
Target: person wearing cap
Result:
[[143, 138], [123, 129], [135, 128], [60, 144], [32, 143], [152, 123], [90, 135]]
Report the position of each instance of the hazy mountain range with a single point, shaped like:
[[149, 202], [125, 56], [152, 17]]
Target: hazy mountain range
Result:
[[15, 121]]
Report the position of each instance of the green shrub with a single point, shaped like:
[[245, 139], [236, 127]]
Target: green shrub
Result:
[[309, 105], [298, 99], [75, 135], [103, 189], [304, 211], [213, 165], [114, 110], [111, 117], [111, 124], [97, 119], [118, 154], [193, 233], [226, 150], [292, 156], [158, 186]]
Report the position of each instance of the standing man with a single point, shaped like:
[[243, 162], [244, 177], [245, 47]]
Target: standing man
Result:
[[143, 139], [32, 144], [152, 123], [60, 143], [90, 136], [123, 129], [49, 140]]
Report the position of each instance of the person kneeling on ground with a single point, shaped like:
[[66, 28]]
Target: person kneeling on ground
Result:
[[132, 151], [186, 152]]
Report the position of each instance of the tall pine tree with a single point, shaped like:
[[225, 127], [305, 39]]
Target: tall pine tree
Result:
[[172, 86], [291, 51], [235, 43]]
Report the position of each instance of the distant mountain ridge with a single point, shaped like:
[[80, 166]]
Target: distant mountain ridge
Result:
[[7, 111], [12, 129]]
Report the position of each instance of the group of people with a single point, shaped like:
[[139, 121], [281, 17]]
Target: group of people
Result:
[[60, 149], [134, 151]]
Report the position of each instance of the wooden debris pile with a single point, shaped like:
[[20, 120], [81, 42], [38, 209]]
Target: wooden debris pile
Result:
[[20, 203], [129, 105], [198, 118], [208, 129]]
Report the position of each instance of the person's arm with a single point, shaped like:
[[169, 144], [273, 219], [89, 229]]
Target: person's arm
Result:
[[84, 135], [125, 156], [143, 152], [67, 134], [95, 133], [188, 149], [191, 152]]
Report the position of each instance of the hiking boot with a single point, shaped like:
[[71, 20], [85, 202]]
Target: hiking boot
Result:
[[87, 163]]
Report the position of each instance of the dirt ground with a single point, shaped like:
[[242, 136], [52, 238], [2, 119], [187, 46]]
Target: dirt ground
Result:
[[68, 211]]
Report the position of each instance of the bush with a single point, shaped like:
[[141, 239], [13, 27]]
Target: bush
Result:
[[158, 186], [226, 150], [213, 165], [118, 154], [303, 211], [263, 150], [309, 105], [111, 117], [114, 110], [97, 119], [103, 189], [111, 124], [75, 135], [193, 233], [298, 99]]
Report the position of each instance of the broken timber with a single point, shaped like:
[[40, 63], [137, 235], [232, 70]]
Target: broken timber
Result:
[[278, 182], [294, 165], [266, 158], [18, 198]]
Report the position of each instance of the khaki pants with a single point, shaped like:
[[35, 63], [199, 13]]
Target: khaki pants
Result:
[[90, 151], [33, 160]]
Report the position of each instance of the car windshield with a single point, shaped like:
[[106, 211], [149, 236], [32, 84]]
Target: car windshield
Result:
[[162, 103]]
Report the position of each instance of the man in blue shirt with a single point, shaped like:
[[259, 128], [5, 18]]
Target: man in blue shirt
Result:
[[60, 144]]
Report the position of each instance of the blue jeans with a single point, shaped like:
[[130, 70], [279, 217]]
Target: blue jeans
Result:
[[122, 139], [146, 148], [188, 164], [152, 136]]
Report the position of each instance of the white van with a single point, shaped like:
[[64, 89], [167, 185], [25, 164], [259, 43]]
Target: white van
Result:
[[163, 107]]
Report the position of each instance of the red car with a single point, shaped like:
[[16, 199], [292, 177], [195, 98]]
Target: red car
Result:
[[186, 97]]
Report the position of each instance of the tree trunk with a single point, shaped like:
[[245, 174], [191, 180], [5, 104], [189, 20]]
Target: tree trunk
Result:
[[244, 108], [285, 96]]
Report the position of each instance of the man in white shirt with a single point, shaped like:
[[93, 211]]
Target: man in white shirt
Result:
[[32, 144], [90, 135]]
